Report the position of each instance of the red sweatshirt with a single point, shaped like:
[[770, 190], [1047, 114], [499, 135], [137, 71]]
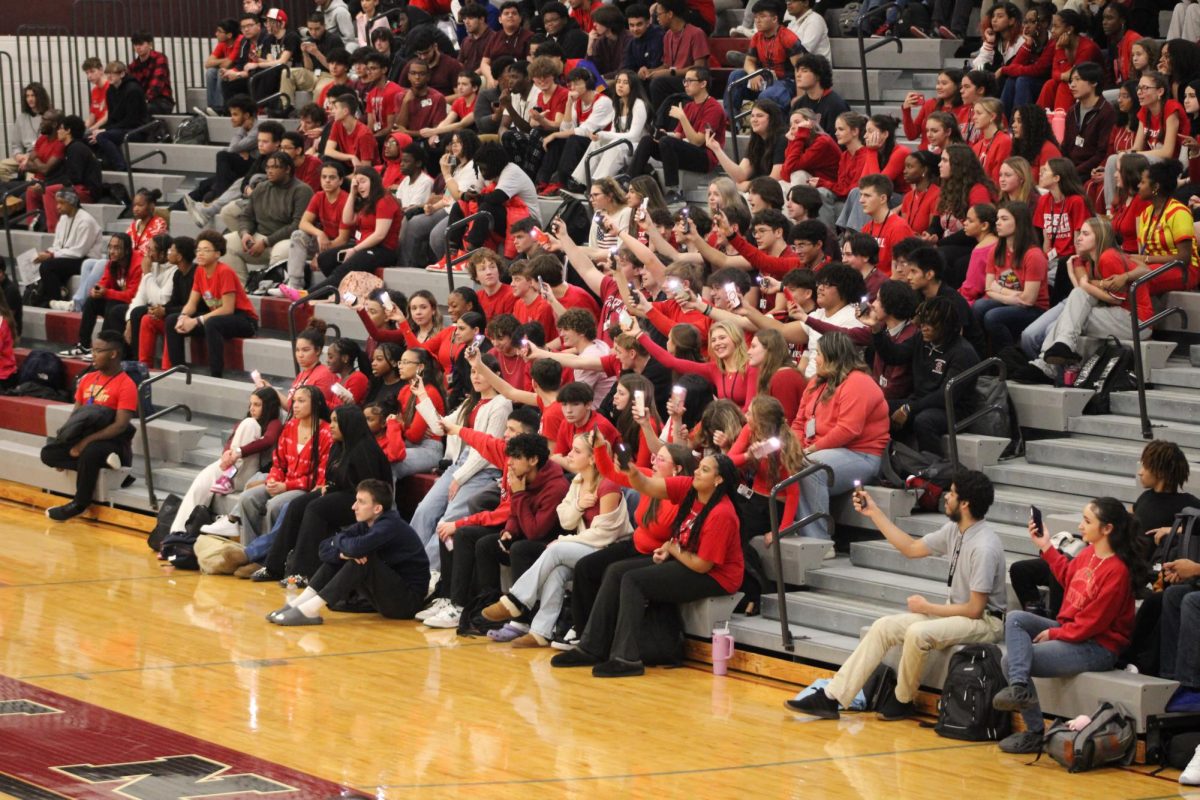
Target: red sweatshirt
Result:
[[122, 291], [775, 266], [666, 314], [855, 418], [649, 534], [1098, 603], [851, 167], [293, 468], [535, 511], [763, 481], [818, 156], [567, 432]]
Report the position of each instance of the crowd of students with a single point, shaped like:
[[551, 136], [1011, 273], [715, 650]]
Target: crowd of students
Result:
[[614, 410]]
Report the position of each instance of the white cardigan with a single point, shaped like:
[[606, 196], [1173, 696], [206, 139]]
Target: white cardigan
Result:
[[605, 528], [490, 419], [155, 288]]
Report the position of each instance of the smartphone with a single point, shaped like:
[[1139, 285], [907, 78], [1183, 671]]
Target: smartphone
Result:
[[788, 294], [642, 210], [864, 305], [731, 295], [343, 255], [525, 345], [479, 337], [338, 389], [758, 279], [624, 320], [1035, 514], [686, 216], [597, 219], [622, 457], [385, 300], [541, 287], [255, 376], [679, 393], [768, 446], [349, 297], [639, 403]]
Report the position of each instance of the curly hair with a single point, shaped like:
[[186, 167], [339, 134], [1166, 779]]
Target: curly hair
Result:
[[1166, 462], [1035, 132], [965, 173]]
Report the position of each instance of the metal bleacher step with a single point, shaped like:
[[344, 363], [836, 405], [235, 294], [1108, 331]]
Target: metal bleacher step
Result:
[[1019, 472], [23, 240], [220, 129], [1047, 408], [880, 555], [841, 576], [1014, 536], [214, 397], [1176, 374], [1113, 426], [811, 644], [162, 181], [918, 54], [1177, 405], [21, 462], [1099, 454], [829, 611], [195, 158]]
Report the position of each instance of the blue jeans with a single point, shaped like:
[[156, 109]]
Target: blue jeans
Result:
[[1002, 323], [1035, 333], [437, 505], [212, 88], [1179, 642], [90, 274], [780, 92], [418, 458], [815, 490], [1019, 92], [1050, 659]]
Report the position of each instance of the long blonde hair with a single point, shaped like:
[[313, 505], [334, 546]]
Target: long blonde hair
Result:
[[1025, 172], [740, 358], [1106, 239], [767, 419]]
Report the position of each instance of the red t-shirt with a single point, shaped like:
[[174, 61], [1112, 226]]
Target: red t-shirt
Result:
[[462, 106], [46, 148], [919, 208], [775, 53], [1114, 262], [567, 432], [1059, 221], [537, 311], [358, 142], [554, 103], [98, 102], [1033, 267], [720, 538], [1154, 125], [552, 419], [711, 114], [429, 111], [992, 152], [499, 303], [213, 288], [579, 298], [308, 171], [383, 103], [887, 233], [682, 50], [387, 207], [118, 392], [328, 215]]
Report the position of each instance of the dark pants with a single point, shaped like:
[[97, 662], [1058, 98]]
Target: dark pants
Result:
[[675, 154], [1145, 645], [458, 565], [955, 14], [363, 261], [589, 576], [229, 168], [612, 631], [307, 522], [108, 143], [390, 595], [1028, 577], [216, 331], [55, 275], [927, 427], [663, 87], [572, 152], [956, 253], [113, 312], [481, 227], [1180, 632], [1002, 323], [87, 467], [232, 88]]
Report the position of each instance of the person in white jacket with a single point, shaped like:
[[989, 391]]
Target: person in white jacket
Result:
[[595, 510], [631, 112], [588, 112], [469, 472], [78, 237], [809, 26], [1002, 39]]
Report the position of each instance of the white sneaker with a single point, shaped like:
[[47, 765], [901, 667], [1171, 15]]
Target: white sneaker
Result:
[[435, 577], [1191, 773], [62, 305], [447, 619], [199, 212], [434, 609], [113, 461], [223, 526]]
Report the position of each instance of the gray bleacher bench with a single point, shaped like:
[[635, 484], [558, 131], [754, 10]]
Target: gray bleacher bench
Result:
[[170, 440]]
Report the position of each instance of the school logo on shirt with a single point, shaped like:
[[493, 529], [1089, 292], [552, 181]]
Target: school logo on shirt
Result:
[[1009, 280], [939, 366]]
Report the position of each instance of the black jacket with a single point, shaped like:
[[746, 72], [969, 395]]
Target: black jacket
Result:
[[390, 539], [349, 467], [127, 106], [79, 167], [932, 366]]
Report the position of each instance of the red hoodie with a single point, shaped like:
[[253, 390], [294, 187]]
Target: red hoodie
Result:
[[390, 168], [1098, 603], [121, 291], [818, 156]]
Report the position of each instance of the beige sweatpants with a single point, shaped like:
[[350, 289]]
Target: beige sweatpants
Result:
[[917, 634]]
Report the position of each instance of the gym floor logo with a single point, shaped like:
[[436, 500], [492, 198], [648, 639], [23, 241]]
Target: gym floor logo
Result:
[[168, 778]]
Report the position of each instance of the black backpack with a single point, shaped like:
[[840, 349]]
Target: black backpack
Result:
[[44, 368], [193, 130], [1182, 542], [1110, 369], [880, 687], [162, 524], [965, 708], [661, 641]]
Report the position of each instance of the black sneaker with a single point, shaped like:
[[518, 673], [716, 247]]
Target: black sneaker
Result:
[[1023, 742], [262, 576], [1031, 375], [1017, 697], [574, 658], [817, 704], [1060, 354], [893, 710], [616, 668], [673, 197], [66, 511]]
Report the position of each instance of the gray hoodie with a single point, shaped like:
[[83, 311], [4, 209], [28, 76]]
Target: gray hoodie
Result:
[[338, 20], [275, 211]]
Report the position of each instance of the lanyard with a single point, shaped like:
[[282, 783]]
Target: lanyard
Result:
[[94, 392], [1156, 223], [954, 559], [882, 225], [1054, 219]]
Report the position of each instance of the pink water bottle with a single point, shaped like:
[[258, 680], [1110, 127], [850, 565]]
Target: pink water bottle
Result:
[[722, 649], [1058, 123]]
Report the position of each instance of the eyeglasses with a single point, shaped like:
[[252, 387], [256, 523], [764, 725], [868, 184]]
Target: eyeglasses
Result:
[[1146, 88], [691, 80], [410, 363]]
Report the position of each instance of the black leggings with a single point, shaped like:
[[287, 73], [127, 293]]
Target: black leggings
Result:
[[589, 575], [481, 227], [89, 463], [308, 521], [113, 312], [1027, 577], [368, 260], [674, 153], [612, 631], [387, 591], [473, 567], [55, 274]]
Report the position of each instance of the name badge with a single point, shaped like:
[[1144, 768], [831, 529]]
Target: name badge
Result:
[[426, 103], [1079, 141], [1052, 254], [810, 430]]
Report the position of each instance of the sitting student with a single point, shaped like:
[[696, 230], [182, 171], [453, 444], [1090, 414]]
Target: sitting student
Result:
[[385, 384], [320, 229], [488, 270], [560, 295], [861, 251], [594, 512], [885, 227], [843, 423], [78, 239], [918, 207], [1094, 624], [376, 217], [254, 436], [587, 113], [108, 445], [310, 343], [469, 471], [350, 141], [772, 47], [1090, 310], [577, 333], [379, 556], [702, 558], [268, 219], [1165, 232], [530, 305], [227, 312], [109, 299], [766, 151], [416, 185], [940, 354], [1059, 214], [1016, 289], [980, 225], [349, 365], [163, 291], [577, 401], [973, 611], [297, 466], [473, 547], [409, 436], [924, 275], [354, 456]]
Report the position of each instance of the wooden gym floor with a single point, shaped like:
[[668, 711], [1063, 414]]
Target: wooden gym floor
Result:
[[123, 678]]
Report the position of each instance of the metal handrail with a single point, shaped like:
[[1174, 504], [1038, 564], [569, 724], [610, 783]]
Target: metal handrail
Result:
[[315, 294], [955, 426], [773, 507], [456, 226], [129, 162], [587, 161], [737, 150], [1137, 327], [14, 190], [259, 75], [6, 77], [145, 419], [863, 49]]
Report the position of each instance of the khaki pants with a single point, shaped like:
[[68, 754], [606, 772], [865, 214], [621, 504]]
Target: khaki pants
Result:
[[304, 80], [237, 258], [8, 169], [917, 634]]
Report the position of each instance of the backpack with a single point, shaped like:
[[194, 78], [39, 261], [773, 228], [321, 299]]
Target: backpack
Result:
[[193, 130], [1109, 739], [1180, 542], [661, 642], [965, 708], [1110, 369], [880, 687], [843, 22], [138, 373], [162, 525], [44, 368], [914, 15], [576, 218], [1001, 421]]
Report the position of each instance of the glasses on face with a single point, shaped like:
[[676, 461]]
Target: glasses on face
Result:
[[410, 363], [691, 80], [1145, 89]]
